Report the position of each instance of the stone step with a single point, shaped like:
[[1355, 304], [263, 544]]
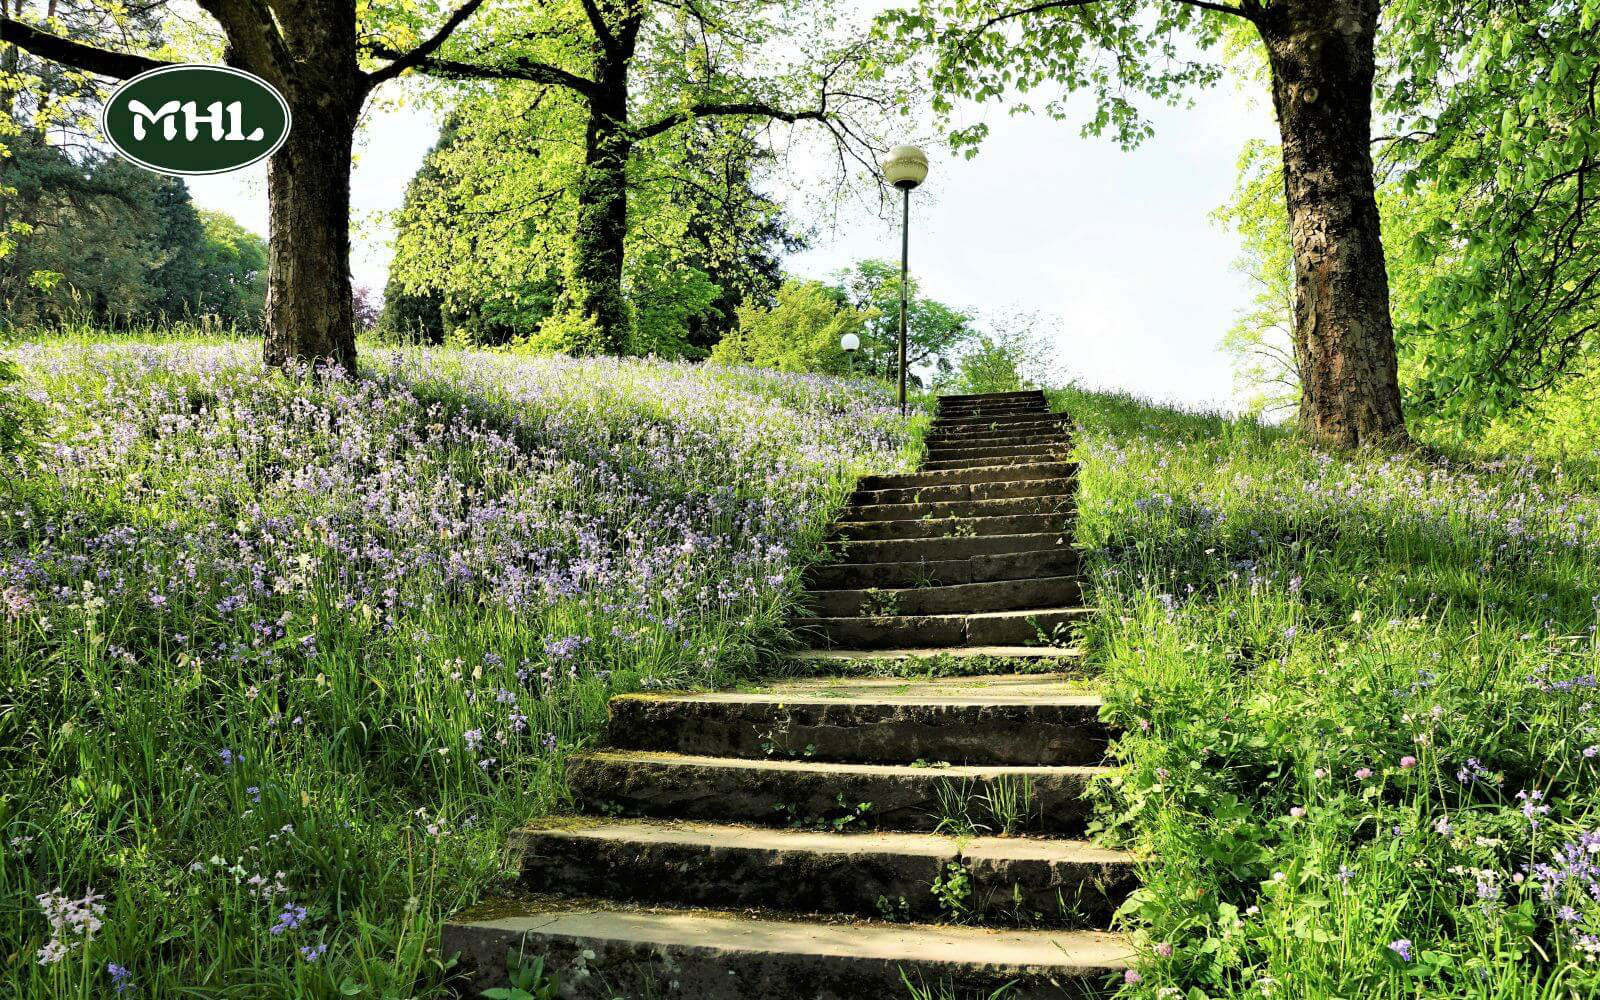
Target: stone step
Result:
[[970, 397], [1018, 452], [1041, 626], [959, 598], [952, 477], [1061, 560], [989, 435], [1049, 723], [1002, 421], [813, 872], [848, 660], [957, 508], [996, 409], [994, 462], [819, 794], [950, 527], [967, 491], [900, 550], [601, 952], [989, 440], [1041, 422]]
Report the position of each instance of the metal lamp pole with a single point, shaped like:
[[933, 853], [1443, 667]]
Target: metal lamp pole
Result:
[[906, 167], [905, 256]]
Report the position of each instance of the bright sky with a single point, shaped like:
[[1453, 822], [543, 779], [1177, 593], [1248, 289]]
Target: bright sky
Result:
[[1114, 250]]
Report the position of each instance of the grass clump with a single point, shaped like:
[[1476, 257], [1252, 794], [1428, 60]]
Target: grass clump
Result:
[[1362, 736], [283, 659]]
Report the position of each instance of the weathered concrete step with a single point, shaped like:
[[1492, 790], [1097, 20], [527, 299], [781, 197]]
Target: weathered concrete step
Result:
[[951, 527], [958, 508], [957, 398], [993, 462], [1008, 399], [718, 955], [997, 409], [970, 725], [1058, 438], [899, 550], [1008, 421], [845, 660], [1021, 423], [807, 871], [990, 628], [1021, 452], [1059, 561], [959, 598], [824, 795], [958, 492], [988, 474]]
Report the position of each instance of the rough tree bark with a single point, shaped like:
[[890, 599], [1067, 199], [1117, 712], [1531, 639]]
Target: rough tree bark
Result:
[[594, 273], [310, 315], [1321, 56], [310, 51]]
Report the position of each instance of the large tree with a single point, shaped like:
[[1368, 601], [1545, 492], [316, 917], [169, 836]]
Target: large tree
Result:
[[486, 232], [643, 70], [1321, 59], [311, 50]]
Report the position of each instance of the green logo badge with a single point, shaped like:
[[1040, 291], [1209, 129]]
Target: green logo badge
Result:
[[195, 119]]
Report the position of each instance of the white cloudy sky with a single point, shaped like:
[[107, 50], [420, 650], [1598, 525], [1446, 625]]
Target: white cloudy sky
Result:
[[1115, 250]]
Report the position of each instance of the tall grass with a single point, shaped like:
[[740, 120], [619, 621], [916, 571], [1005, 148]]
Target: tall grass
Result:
[[282, 659], [1362, 732]]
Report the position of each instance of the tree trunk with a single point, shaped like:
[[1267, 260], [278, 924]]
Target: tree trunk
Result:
[[594, 278], [310, 315], [309, 310], [1321, 54]]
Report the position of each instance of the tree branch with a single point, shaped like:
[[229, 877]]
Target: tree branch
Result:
[[1048, 5], [411, 59], [1220, 8], [522, 68], [88, 58], [753, 109], [598, 23]]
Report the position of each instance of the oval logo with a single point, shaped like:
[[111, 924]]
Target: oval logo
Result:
[[194, 119]]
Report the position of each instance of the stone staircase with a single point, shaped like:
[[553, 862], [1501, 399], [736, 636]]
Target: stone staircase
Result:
[[834, 837]]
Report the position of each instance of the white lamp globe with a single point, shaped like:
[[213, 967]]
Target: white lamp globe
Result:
[[906, 167], [850, 343]]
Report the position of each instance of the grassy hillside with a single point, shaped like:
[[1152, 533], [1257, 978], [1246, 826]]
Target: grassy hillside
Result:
[[280, 667], [1363, 735]]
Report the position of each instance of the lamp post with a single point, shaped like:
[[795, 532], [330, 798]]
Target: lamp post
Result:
[[905, 168], [850, 344]]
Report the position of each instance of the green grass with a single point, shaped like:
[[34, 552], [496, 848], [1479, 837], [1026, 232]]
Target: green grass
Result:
[[1280, 622], [282, 661]]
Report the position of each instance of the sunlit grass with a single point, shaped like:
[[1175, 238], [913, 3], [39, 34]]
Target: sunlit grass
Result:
[[1358, 694], [282, 660]]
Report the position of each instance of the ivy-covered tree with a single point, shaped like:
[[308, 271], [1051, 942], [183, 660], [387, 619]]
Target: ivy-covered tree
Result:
[[487, 226], [638, 72], [1321, 57]]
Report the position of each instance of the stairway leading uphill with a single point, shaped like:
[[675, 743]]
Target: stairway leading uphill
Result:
[[836, 838]]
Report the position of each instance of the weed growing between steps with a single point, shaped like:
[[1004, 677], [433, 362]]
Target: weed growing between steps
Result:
[[1362, 723], [283, 661]]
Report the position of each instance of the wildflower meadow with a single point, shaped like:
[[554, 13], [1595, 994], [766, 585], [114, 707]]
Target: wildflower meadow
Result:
[[282, 660], [1358, 693]]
